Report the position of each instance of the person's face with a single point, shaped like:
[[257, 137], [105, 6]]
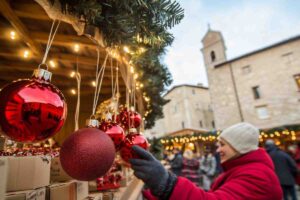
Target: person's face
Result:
[[225, 150]]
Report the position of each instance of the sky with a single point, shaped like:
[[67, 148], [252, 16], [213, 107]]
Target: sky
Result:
[[246, 25]]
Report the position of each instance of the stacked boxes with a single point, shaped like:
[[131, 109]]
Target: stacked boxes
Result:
[[28, 178], [3, 175]]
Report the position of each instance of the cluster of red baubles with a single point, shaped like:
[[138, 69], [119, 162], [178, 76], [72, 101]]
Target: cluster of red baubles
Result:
[[125, 120], [33, 110], [89, 152]]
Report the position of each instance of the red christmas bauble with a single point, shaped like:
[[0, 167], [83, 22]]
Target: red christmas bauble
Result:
[[116, 133], [31, 110], [132, 139], [87, 154], [128, 119], [123, 118], [135, 120], [105, 125]]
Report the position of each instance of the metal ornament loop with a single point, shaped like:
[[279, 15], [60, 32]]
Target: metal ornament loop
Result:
[[43, 64], [42, 74], [93, 123]]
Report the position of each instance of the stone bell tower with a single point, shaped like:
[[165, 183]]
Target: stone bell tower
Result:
[[214, 50]]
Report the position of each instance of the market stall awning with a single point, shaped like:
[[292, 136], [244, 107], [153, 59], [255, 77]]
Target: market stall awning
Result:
[[25, 28]]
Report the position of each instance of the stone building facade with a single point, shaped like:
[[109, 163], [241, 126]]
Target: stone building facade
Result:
[[261, 87], [189, 108]]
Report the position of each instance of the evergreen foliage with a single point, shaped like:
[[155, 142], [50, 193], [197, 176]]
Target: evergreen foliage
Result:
[[136, 24]]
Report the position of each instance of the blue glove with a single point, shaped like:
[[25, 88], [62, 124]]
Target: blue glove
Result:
[[152, 173]]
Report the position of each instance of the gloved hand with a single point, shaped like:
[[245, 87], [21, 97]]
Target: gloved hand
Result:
[[152, 172]]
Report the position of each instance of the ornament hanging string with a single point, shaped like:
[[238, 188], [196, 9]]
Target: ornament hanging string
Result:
[[98, 80], [117, 94], [50, 39], [128, 85], [134, 86], [112, 78], [78, 79]]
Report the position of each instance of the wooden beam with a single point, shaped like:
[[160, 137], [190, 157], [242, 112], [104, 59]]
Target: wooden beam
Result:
[[9, 14], [65, 84], [13, 67], [64, 40], [69, 58], [32, 15], [30, 10]]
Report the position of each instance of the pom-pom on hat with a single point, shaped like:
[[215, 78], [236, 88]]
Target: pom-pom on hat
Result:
[[243, 137]]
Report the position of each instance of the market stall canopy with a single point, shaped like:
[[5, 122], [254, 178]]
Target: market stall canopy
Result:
[[25, 27]]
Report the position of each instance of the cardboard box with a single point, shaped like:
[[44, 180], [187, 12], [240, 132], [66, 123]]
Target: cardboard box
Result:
[[82, 189], [2, 143], [72, 190], [27, 173], [93, 186], [3, 176], [62, 191], [37, 194], [58, 174], [127, 176], [95, 196], [108, 196]]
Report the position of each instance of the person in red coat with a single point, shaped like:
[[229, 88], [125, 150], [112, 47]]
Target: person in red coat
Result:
[[248, 171]]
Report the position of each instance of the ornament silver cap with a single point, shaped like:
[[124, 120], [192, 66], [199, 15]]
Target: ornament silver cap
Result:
[[132, 130], [93, 123], [42, 74]]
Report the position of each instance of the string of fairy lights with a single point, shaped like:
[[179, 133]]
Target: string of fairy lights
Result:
[[76, 47], [278, 136]]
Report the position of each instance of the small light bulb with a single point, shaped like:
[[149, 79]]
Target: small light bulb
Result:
[[52, 64], [72, 74], [13, 35], [94, 83], [126, 49], [76, 48], [142, 50], [131, 69], [73, 91], [26, 54]]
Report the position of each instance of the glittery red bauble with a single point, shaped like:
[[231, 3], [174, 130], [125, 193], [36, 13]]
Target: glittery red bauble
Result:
[[123, 118], [135, 120], [105, 125], [128, 119], [130, 140], [87, 154], [116, 133], [31, 110]]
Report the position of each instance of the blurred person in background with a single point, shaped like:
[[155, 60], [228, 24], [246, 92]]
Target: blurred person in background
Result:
[[208, 165], [285, 168], [297, 160], [176, 162], [190, 167]]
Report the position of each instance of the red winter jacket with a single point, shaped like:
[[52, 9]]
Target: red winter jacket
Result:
[[249, 177]]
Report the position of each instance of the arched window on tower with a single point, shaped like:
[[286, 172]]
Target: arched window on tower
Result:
[[212, 56]]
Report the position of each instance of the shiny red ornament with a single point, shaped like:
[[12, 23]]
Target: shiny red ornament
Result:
[[87, 154], [31, 110], [135, 119], [116, 133], [132, 139]]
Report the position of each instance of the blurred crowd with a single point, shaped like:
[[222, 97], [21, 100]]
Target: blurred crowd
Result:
[[203, 168]]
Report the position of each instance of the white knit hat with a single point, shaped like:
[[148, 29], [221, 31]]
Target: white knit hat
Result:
[[243, 137]]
